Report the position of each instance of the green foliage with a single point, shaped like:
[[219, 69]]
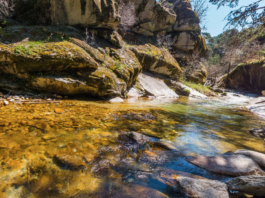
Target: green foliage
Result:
[[215, 60], [251, 15]]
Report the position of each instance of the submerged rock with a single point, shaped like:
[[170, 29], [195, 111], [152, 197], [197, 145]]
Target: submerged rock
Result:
[[259, 158], [258, 132], [231, 165], [72, 161], [155, 87], [202, 188], [136, 191], [253, 185]]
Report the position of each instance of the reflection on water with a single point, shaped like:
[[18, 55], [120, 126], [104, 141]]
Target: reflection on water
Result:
[[80, 149]]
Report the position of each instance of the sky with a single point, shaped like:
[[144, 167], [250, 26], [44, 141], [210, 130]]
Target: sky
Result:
[[215, 19]]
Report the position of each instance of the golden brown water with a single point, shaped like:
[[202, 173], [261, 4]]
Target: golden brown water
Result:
[[80, 149]]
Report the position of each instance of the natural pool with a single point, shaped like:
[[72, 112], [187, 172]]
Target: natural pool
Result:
[[81, 149]]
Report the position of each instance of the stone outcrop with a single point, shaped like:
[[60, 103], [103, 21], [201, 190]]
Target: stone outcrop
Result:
[[66, 65], [231, 165], [157, 60], [252, 185], [248, 76], [98, 60], [196, 73], [202, 188], [92, 13], [153, 17]]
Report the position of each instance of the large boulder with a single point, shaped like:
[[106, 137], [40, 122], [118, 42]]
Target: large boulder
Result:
[[252, 185], [157, 60], [57, 60], [187, 19], [202, 188], [92, 13], [231, 165], [153, 17], [247, 76], [259, 158]]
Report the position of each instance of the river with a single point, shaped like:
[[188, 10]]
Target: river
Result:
[[81, 148]]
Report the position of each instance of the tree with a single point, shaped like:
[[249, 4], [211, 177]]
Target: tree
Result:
[[201, 8], [252, 15]]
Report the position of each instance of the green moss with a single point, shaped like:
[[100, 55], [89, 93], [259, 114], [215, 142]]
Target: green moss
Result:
[[198, 87]]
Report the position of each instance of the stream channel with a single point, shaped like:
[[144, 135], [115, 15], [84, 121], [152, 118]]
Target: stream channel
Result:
[[82, 149]]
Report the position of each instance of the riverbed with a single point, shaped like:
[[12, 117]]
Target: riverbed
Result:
[[80, 148]]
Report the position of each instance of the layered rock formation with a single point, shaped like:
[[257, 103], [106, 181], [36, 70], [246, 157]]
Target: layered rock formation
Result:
[[97, 60], [249, 76], [92, 13]]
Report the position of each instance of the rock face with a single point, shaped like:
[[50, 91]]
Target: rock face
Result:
[[252, 185], [98, 60], [231, 165], [153, 16], [246, 76], [69, 66], [157, 60], [93, 13], [259, 158], [155, 87], [197, 73], [202, 188]]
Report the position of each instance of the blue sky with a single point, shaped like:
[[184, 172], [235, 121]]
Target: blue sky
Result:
[[215, 18]]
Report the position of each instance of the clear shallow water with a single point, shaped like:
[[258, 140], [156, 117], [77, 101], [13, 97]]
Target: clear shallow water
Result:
[[80, 149]]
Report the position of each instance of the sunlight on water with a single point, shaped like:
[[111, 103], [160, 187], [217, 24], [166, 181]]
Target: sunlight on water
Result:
[[80, 149]]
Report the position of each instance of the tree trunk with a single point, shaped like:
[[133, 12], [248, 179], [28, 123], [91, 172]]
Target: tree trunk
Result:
[[227, 78]]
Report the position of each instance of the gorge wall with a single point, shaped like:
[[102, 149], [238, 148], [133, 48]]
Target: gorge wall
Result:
[[52, 51]]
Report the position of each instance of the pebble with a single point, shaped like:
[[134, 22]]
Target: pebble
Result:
[[6, 102], [59, 97]]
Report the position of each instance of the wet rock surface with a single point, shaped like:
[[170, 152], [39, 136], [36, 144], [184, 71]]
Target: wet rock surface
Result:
[[232, 165], [259, 158], [258, 132], [202, 188], [257, 106], [252, 185]]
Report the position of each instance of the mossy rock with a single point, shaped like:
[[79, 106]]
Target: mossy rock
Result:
[[43, 57], [157, 60], [57, 60], [249, 76]]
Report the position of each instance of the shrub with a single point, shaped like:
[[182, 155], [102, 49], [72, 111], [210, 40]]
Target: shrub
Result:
[[6, 9]]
